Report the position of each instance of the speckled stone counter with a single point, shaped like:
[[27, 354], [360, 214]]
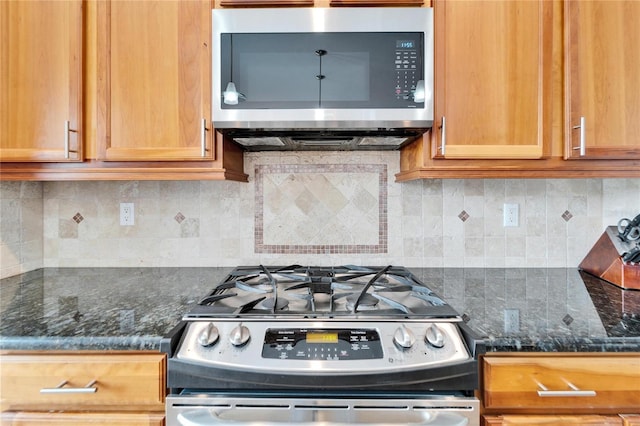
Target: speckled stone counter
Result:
[[560, 310]]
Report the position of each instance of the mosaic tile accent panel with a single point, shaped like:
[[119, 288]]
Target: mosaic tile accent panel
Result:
[[321, 208]]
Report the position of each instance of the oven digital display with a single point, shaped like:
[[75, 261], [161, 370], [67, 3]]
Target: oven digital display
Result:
[[321, 344], [314, 337]]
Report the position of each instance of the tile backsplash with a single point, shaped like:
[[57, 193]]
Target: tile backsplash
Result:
[[310, 208]]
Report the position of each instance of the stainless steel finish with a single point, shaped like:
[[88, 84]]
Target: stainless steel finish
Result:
[[404, 337], [621, 246], [203, 138], [296, 345], [89, 388], [443, 136], [295, 20], [239, 335], [225, 354], [66, 139], [583, 129], [434, 336], [203, 410], [209, 335], [575, 391], [67, 130], [335, 141]]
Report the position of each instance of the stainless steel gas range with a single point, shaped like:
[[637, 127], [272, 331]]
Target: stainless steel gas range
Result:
[[322, 345]]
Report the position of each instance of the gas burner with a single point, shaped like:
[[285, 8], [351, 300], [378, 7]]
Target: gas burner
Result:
[[367, 302], [269, 303]]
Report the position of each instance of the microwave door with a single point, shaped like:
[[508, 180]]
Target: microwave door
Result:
[[271, 71]]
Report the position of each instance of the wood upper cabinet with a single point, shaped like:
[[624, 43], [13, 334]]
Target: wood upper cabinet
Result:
[[318, 3], [41, 81], [154, 74], [492, 79], [602, 49]]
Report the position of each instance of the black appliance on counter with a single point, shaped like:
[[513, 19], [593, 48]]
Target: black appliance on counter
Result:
[[332, 345]]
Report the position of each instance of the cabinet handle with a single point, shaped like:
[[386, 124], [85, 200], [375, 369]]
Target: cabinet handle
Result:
[[583, 129], [203, 138], [89, 388], [544, 391], [67, 129], [443, 136]]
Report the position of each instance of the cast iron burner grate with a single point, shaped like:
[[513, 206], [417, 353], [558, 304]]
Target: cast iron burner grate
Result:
[[322, 292]]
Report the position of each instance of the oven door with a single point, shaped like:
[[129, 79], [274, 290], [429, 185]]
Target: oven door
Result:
[[198, 409]]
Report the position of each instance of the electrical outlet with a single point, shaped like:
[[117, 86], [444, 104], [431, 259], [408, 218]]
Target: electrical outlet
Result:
[[127, 214], [511, 320], [511, 215]]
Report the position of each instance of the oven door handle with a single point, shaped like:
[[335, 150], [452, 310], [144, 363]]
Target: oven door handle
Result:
[[209, 417]]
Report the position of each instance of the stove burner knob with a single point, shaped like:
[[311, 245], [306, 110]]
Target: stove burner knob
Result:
[[209, 335], [434, 336], [403, 337], [239, 335]]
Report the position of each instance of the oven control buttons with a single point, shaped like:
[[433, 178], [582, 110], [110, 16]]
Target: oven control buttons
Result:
[[209, 335], [403, 337], [434, 336], [239, 335]]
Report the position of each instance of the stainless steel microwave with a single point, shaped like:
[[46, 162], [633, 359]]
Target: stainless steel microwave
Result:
[[368, 71]]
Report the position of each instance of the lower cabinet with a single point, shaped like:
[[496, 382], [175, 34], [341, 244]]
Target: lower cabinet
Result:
[[559, 420], [112, 388], [70, 418], [561, 389], [631, 419]]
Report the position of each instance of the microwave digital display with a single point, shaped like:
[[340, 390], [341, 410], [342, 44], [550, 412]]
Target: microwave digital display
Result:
[[405, 44]]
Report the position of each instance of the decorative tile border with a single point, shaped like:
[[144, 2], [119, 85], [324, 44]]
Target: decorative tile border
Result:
[[259, 234]]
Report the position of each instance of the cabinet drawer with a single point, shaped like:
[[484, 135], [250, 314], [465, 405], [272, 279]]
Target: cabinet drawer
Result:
[[122, 381], [95, 419], [563, 383], [562, 420]]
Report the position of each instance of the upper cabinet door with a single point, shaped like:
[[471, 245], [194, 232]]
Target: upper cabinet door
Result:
[[41, 80], [602, 79], [154, 80], [493, 78]]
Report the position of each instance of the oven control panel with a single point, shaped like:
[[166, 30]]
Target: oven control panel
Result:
[[324, 347], [321, 344]]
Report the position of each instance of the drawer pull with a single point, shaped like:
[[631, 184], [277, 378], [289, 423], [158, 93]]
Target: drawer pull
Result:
[[575, 391], [89, 388]]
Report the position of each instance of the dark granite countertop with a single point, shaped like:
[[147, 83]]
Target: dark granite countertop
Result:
[[560, 310]]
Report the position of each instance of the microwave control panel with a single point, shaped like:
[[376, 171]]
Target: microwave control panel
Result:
[[407, 68]]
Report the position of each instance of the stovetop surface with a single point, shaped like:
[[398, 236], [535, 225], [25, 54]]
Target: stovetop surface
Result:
[[300, 292]]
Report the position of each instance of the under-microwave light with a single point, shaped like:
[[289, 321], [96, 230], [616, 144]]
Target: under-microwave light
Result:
[[231, 95], [418, 94]]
